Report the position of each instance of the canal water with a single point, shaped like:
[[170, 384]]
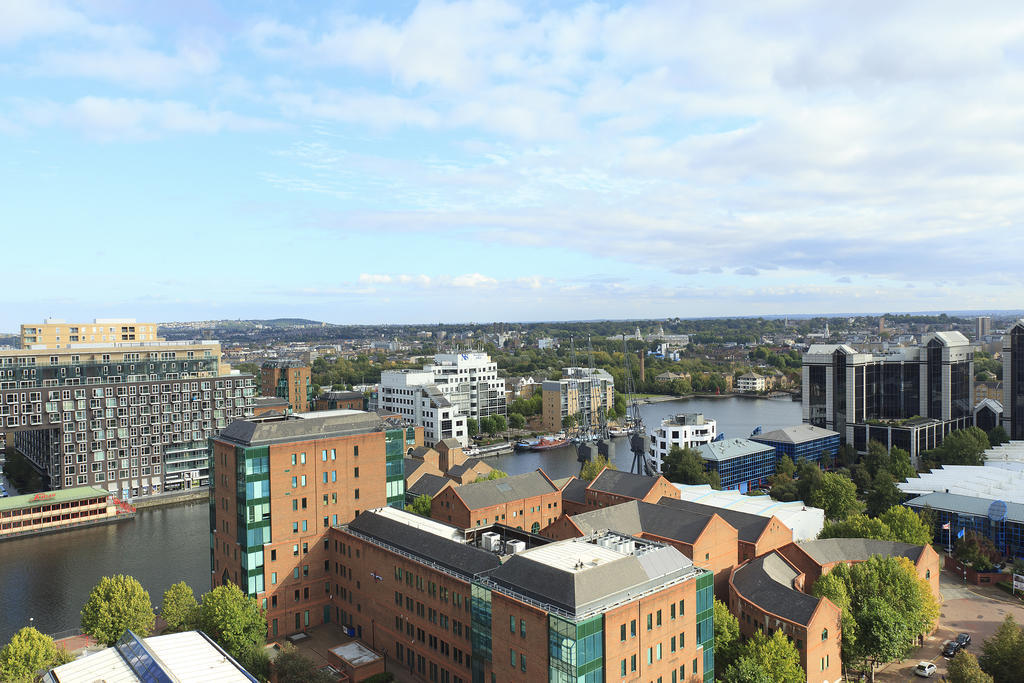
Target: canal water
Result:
[[48, 578]]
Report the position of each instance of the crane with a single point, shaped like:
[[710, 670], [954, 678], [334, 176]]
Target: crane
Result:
[[637, 442]]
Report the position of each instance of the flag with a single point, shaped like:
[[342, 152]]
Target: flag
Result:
[[945, 527], [960, 534]]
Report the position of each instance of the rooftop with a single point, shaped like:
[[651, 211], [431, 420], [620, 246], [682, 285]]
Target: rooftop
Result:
[[804, 520], [801, 433], [496, 491], [428, 484], [51, 497], [635, 517], [729, 449], [309, 426], [749, 527], [829, 550], [355, 653], [623, 483], [187, 657], [965, 505], [768, 583], [1001, 478]]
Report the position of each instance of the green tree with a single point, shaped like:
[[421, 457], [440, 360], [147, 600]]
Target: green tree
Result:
[[727, 636], [116, 604], [487, 424], [493, 474], [997, 435], [836, 495], [420, 505], [962, 447], [472, 427], [290, 666], [499, 424], [1002, 655], [900, 466], [964, 668], [847, 455], [28, 653], [233, 619], [593, 468], [516, 421], [884, 493], [857, 526], [775, 656], [568, 422], [906, 526], [785, 467], [686, 466], [885, 606], [179, 607]]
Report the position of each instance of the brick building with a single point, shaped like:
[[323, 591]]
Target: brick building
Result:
[[288, 379], [340, 400], [277, 486], [708, 540], [611, 487], [756, 534], [766, 594], [436, 602], [529, 501]]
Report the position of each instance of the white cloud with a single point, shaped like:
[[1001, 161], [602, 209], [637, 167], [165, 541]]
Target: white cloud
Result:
[[372, 278], [473, 280]]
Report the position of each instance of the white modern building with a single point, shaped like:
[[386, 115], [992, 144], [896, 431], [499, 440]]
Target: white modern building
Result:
[[413, 395], [469, 380], [686, 430]]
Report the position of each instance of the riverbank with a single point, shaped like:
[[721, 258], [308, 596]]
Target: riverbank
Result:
[[171, 498]]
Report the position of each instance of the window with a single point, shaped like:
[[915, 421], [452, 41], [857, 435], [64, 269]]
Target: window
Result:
[[355, 473], [672, 612], [303, 479], [357, 494], [622, 668], [295, 482], [650, 656], [658, 652], [658, 618], [672, 644], [355, 451], [295, 549], [824, 634], [522, 628], [632, 628], [522, 662], [273, 577], [512, 623], [302, 458], [650, 621], [632, 663], [512, 657], [293, 458], [622, 637]]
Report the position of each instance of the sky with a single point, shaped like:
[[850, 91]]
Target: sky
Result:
[[364, 162]]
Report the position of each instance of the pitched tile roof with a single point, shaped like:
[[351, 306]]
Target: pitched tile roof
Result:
[[495, 491], [768, 583], [623, 483], [748, 527]]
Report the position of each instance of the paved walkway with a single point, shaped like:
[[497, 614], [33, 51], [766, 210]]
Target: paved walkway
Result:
[[977, 610]]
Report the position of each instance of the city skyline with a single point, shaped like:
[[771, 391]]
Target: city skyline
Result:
[[489, 161]]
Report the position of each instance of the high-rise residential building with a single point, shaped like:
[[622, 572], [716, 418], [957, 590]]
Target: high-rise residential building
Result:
[[132, 417], [982, 326], [290, 380], [277, 487], [909, 397], [54, 333], [444, 394], [413, 395], [583, 393], [1013, 380], [496, 603]]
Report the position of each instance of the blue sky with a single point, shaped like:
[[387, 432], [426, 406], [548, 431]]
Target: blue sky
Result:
[[451, 161]]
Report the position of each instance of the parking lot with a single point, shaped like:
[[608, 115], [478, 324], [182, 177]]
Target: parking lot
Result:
[[976, 610]]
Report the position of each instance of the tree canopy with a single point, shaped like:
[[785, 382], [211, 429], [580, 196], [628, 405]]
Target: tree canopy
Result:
[[964, 668], [766, 658], [420, 505], [727, 636], [116, 604], [179, 607], [685, 466], [835, 494], [233, 619], [290, 666], [898, 523], [962, 447], [1002, 655], [593, 468], [28, 653], [885, 607]]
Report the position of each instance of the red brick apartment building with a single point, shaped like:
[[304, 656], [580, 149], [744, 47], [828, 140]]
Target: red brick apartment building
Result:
[[529, 501], [499, 604], [756, 535], [277, 486]]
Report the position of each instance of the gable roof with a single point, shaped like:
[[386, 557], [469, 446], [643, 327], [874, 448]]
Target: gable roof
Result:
[[768, 583], [635, 517], [574, 489], [461, 558], [427, 485], [485, 494], [450, 443], [463, 467], [624, 484], [748, 527], [829, 550]]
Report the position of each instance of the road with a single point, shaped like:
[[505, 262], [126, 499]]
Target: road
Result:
[[977, 610]]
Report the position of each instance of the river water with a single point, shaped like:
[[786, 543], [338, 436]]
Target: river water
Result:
[[48, 578]]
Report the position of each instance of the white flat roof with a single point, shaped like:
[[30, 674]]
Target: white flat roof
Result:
[[568, 556], [805, 521], [355, 653], [315, 414], [422, 523]]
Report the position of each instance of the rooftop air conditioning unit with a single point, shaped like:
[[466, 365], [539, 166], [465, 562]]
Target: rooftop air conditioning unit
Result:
[[514, 547], [491, 541]]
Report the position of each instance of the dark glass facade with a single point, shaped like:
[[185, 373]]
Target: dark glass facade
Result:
[[1016, 380], [816, 394]]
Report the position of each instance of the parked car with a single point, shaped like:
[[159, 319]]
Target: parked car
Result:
[[964, 639], [925, 669], [950, 648]]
